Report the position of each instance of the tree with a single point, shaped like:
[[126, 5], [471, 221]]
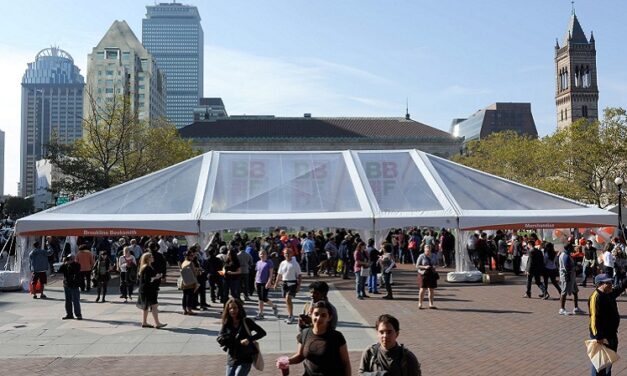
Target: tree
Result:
[[579, 162], [116, 147], [17, 207]]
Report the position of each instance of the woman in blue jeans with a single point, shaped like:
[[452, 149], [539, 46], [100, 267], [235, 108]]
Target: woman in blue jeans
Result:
[[361, 269], [236, 338]]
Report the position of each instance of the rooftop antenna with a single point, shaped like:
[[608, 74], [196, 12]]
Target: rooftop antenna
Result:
[[407, 109], [572, 3]]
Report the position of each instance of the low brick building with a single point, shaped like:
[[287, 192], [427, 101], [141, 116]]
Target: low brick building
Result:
[[319, 133]]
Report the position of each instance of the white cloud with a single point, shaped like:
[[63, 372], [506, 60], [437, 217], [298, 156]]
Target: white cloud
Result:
[[285, 86]]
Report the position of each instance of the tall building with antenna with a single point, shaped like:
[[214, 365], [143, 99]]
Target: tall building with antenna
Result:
[[173, 34], [52, 103], [576, 90]]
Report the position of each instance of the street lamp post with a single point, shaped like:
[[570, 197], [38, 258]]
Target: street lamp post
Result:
[[619, 183]]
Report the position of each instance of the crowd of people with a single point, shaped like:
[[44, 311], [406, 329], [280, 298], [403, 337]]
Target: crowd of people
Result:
[[230, 273]]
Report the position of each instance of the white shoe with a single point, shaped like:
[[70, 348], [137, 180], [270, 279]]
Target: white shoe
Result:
[[289, 320], [578, 311], [564, 312]]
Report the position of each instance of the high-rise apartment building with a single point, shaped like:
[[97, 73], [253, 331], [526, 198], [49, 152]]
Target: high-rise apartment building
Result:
[[173, 35], [52, 104], [1, 163], [576, 91], [120, 66]]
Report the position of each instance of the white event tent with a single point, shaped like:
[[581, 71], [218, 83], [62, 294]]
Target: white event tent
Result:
[[371, 191]]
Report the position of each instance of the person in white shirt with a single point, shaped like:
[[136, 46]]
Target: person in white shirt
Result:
[[289, 273], [163, 245], [608, 262]]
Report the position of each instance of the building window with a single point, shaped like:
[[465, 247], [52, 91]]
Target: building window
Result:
[[584, 111], [111, 54]]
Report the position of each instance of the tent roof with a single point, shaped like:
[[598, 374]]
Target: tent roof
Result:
[[370, 190]]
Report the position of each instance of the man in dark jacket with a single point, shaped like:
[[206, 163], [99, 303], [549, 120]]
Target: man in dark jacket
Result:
[[71, 271], [604, 316], [535, 269]]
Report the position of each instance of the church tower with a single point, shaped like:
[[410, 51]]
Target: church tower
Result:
[[576, 91]]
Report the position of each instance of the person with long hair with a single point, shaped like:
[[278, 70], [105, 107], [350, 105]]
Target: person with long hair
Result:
[[237, 339], [362, 261], [148, 291], [189, 282], [550, 269], [232, 273], [322, 348]]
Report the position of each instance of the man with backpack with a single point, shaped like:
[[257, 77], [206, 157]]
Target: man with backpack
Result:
[[388, 357]]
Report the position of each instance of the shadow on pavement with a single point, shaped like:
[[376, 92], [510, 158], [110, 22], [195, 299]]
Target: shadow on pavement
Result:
[[476, 310], [196, 331]]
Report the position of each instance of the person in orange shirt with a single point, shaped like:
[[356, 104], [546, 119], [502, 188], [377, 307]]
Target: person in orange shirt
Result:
[[85, 258]]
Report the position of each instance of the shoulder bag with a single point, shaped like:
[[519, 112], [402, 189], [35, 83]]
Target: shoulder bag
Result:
[[257, 358]]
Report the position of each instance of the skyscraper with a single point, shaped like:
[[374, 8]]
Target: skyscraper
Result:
[[120, 65], [52, 103], [173, 35], [576, 91]]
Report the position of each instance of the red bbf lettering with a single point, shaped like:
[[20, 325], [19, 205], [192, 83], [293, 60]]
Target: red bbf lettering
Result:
[[389, 170]]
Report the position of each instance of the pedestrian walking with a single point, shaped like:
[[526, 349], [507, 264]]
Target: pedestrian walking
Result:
[[188, 283], [322, 349], [386, 261], [290, 275], [237, 337], [568, 280], [263, 281]]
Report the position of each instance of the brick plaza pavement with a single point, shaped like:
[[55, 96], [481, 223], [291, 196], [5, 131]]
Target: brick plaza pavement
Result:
[[476, 330]]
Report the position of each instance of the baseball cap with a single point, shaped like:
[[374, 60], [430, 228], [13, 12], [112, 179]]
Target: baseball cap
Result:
[[602, 278]]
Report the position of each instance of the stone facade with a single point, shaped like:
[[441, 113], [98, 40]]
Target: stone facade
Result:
[[576, 91]]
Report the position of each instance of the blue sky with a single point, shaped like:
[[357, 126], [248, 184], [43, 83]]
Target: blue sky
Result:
[[342, 58]]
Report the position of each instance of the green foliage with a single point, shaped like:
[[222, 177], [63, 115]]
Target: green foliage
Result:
[[116, 147], [18, 207], [579, 162]]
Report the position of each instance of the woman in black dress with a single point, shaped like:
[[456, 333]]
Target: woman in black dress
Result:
[[148, 290]]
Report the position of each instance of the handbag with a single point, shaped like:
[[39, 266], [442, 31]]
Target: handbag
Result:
[[179, 283], [364, 272], [600, 355], [257, 358], [340, 266]]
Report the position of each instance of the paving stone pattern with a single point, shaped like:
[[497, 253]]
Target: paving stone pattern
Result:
[[476, 330]]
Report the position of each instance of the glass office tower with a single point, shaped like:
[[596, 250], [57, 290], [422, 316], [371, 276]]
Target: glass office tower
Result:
[[52, 103], [173, 35]]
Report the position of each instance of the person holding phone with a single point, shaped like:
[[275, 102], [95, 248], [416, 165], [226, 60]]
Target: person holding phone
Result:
[[148, 290]]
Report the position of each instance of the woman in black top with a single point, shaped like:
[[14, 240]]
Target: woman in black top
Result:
[[236, 338], [323, 349], [101, 274], [232, 273], [148, 290]]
